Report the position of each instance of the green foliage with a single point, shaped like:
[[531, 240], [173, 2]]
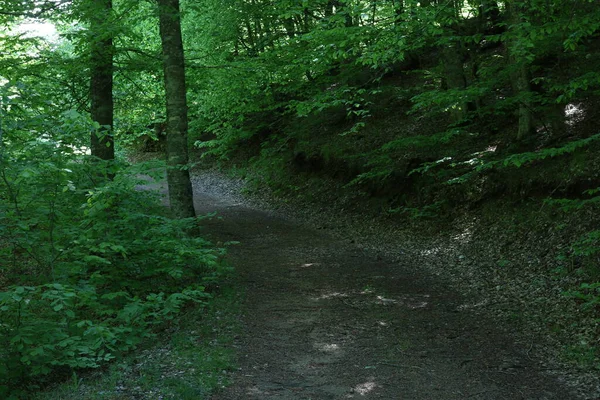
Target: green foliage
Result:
[[425, 212], [587, 245], [280, 65], [477, 92], [584, 355], [191, 360], [582, 261], [588, 294], [521, 159], [90, 266], [480, 162]]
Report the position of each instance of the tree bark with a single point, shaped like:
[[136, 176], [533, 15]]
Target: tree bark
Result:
[[520, 76], [455, 77], [178, 177], [101, 80], [521, 83], [453, 57]]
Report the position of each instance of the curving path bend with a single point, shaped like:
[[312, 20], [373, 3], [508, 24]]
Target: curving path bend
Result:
[[325, 319]]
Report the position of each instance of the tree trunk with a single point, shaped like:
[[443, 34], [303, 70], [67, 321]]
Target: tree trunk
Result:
[[556, 117], [101, 82], [520, 76], [453, 58], [455, 77], [178, 177]]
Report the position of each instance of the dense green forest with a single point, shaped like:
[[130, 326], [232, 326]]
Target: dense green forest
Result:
[[419, 109]]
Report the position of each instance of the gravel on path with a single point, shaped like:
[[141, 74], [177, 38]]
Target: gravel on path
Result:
[[328, 315]]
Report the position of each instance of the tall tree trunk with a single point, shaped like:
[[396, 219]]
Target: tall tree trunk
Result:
[[521, 84], [455, 77], [373, 11], [453, 56], [521, 75], [178, 176], [101, 82]]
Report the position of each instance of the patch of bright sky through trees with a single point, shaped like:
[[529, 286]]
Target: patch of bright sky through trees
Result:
[[44, 30]]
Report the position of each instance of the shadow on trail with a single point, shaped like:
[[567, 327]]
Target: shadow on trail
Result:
[[324, 319]]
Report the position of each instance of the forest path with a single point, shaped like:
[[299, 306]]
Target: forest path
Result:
[[324, 319]]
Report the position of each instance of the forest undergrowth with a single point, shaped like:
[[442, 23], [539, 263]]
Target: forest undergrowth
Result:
[[92, 268]]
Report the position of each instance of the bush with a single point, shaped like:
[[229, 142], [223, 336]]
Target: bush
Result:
[[90, 266]]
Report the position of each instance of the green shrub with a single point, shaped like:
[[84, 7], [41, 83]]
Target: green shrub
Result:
[[89, 267]]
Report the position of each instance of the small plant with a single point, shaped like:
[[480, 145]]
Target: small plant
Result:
[[584, 355], [588, 294], [425, 212]]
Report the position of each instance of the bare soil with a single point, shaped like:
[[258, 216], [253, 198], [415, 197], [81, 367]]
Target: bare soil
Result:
[[324, 318]]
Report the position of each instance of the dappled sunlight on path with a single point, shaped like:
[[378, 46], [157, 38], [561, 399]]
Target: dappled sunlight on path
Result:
[[323, 319]]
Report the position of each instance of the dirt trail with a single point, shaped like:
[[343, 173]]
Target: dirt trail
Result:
[[324, 319]]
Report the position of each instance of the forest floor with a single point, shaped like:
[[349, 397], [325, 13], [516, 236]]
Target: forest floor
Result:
[[324, 317]]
